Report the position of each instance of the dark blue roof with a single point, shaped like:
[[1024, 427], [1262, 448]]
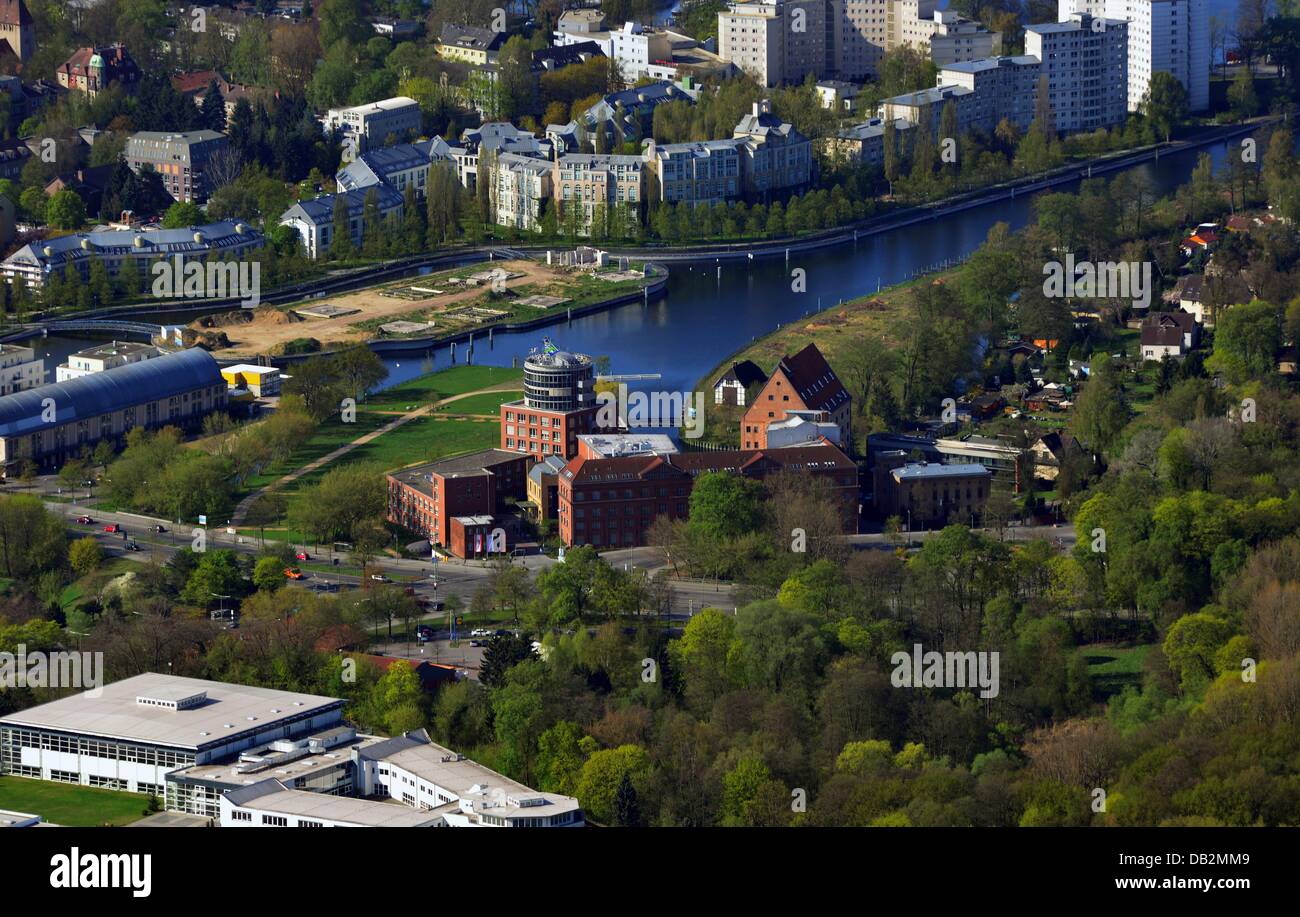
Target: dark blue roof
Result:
[[114, 389]]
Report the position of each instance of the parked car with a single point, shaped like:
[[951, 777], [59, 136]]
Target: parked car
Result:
[[480, 632], [88, 483], [293, 573], [379, 577], [478, 643], [85, 520], [113, 527], [303, 555]]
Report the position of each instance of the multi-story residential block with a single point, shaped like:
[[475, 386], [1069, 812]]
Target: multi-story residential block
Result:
[[493, 138], [583, 182], [859, 37], [469, 44], [1168, 35], [1084, 62], [33, 263], [179, 159], [946, 36], [633, 46], [523, 185], [801, 383], [865, 142], [314, 220], [103, 357], [20, 369], [558, 406], [374, 123], [773, 155], [776, 41], [705, 172], [926, 106], [93, 70], [1003, 87], [628, 115], [402, 166]]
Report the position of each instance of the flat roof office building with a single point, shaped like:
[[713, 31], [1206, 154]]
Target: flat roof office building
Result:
[[129, 735]]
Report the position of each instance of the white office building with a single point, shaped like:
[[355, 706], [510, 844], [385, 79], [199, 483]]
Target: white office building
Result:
[[103, 357], [374, 123], [131, 734]]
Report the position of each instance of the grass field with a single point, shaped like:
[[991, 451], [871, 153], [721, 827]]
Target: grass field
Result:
[[484, 403], [435, 386], [72, 806], [1113, 668]]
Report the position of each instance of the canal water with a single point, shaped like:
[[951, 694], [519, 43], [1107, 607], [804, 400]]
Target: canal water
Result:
[[708, 311]]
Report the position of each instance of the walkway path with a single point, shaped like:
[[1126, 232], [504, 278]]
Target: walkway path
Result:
[[241, 511]]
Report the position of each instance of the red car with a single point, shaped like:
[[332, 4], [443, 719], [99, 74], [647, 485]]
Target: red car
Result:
[[112, 527], [303, 555]]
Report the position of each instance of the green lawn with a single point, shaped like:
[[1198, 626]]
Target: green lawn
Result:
[[454, 381], [1112, 668], [72, 806], [485, 403]]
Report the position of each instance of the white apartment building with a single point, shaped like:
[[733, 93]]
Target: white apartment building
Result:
[[1085, 63], [1168, 35], [19, 369], [927, 106], [775, 41], [1003, 87], [372, 124], [634, 46], [105, 356], [865, 142], [944, 34], [860, 33], [523, 183]]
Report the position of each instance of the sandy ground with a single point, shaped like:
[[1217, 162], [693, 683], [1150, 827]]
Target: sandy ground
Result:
[[264, 332]]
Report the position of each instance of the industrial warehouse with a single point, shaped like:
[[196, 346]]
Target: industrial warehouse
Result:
[[48, 424]]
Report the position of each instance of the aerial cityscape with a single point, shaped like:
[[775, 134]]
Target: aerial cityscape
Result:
[[650, 413]]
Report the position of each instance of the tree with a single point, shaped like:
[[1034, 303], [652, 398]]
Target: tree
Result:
[[724, 505], [268, 574], [627, 809], [85, 556], [182, 214], [65, 210], [503, 652], [602, 774], [216, 574], [1165, 103], [1242, 95]]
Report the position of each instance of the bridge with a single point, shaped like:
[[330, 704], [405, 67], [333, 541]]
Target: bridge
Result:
[[115, 326]]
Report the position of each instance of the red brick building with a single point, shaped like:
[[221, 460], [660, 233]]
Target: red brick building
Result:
[[426, 498], [612, 502], [804, 382], [559, 405]]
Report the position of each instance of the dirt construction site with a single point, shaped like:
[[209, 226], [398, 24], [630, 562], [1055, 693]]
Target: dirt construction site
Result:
[[266, 330]]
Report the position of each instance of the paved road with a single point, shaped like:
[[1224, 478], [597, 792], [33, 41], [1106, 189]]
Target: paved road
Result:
[[452, 577]]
